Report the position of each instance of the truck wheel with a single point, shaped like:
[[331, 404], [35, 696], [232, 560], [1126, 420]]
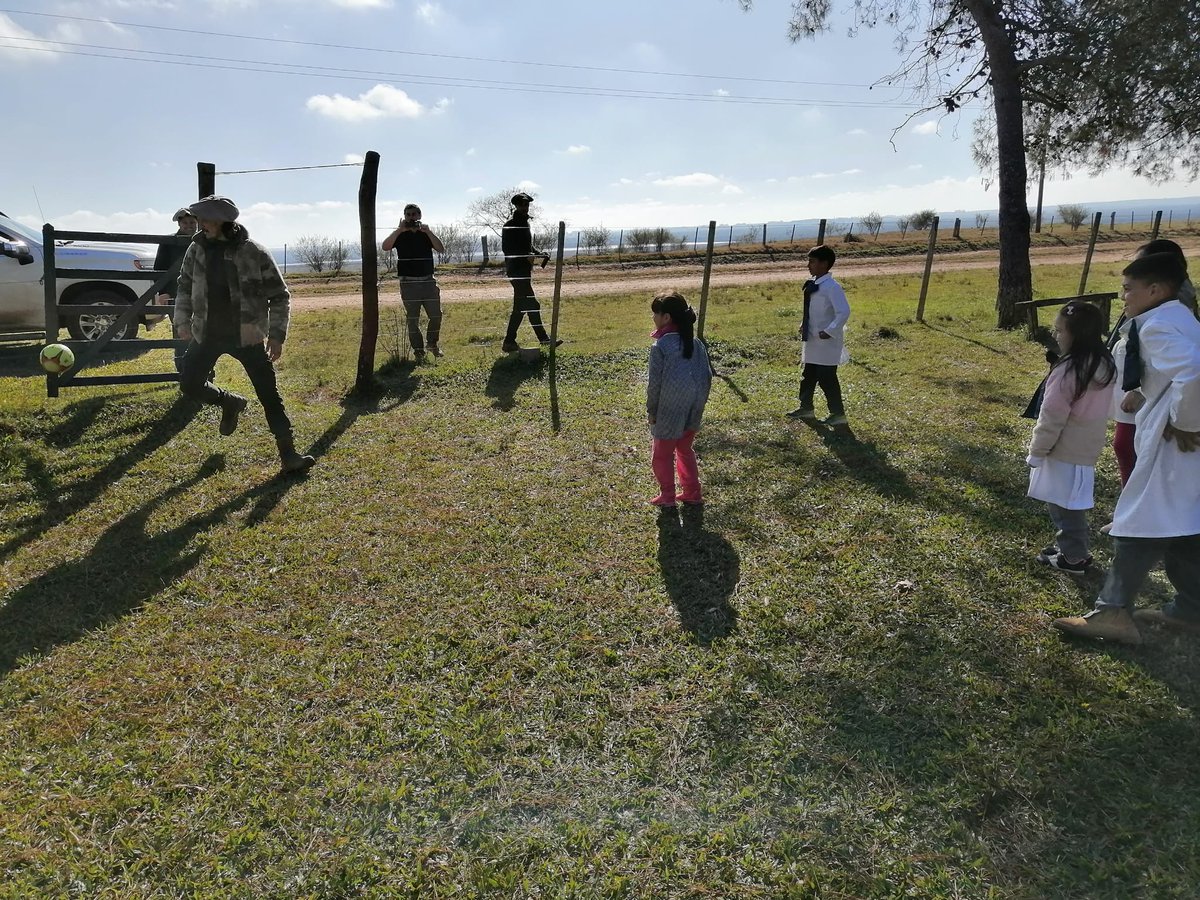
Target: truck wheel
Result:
[[89, 326]]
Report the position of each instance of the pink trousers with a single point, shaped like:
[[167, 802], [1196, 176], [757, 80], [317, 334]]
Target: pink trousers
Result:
[[671, 458]]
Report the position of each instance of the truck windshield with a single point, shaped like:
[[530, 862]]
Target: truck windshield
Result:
[[17, 230]]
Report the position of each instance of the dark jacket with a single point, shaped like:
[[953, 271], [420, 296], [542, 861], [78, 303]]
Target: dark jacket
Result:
[[516, 242], [169, 255]]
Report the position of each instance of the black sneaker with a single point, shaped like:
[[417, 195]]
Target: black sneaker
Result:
[[1046, 552], [548, 342], [1058, 561]]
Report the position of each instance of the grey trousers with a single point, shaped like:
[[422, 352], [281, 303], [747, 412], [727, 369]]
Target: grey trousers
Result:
[[1072, 537], [1133, 558]]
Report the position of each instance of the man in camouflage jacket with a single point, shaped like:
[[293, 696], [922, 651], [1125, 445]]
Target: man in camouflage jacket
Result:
[[233, 300]]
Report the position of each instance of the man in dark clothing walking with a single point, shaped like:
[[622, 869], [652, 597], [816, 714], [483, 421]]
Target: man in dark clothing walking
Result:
[[168, 257], [232, 299], [415, 244], [516, 241]]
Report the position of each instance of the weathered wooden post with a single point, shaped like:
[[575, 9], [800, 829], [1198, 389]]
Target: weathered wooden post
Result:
[[764, 235], [1112, 221], [821, 232], [933, 230], [1087, 262], [708, 259], [206, 179], [555, 419], [730, 241], [367, 188], [577, 249], [793, 240], [1157, 222], [957, 229]]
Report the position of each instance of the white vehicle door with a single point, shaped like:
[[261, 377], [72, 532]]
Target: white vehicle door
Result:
[[22, 297]]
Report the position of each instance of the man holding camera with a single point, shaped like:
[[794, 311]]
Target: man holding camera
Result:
[[414, 244]]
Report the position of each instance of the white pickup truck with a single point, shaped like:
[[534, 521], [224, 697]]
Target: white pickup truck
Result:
[[22, 287]]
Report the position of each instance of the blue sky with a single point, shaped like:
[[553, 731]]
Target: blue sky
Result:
[[462, 99]]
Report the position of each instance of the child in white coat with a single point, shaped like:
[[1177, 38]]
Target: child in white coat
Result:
[[1070, 433], [1158, 514], [822, 331]]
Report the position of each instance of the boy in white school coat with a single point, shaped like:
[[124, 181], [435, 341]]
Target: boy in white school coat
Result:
[[1158, 514], [826, 312]]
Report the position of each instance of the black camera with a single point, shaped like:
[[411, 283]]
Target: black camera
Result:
[[414, 225]]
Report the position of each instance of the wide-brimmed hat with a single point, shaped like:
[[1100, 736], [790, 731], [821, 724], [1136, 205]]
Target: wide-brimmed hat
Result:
[[181, 213], [214, 208], [521, 199]]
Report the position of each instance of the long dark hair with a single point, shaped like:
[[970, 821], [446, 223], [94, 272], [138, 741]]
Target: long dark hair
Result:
[[1088, 359], [672, 304]]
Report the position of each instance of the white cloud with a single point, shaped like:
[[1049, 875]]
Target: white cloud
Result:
[[363, 4], [696, 179], [929, 127], [474, 190], [819, 175], [624, 181], [20, 44], [429, 13], [857, 132], [720, 92], [851, 171], [578, 149], [381, 101], [470, 151], [915, 166], [731, 189], [527, 185], [356, 158]]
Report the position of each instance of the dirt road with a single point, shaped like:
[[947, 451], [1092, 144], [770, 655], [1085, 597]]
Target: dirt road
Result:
[[598, 280]]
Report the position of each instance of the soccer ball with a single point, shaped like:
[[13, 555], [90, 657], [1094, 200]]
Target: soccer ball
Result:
[[56, 358]]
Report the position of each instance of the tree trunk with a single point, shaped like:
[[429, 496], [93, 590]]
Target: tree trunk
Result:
[[1016, 277]]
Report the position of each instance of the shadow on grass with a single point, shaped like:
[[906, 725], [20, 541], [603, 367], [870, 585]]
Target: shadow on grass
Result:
[[58, 503], [863, 460], [506, 378], [700, 571], [124, 568], [20, 361], [962, 337]]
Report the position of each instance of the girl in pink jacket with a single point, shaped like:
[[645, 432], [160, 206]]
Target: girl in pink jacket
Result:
[[1070, 433]]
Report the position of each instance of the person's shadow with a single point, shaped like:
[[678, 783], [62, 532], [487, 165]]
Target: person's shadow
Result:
[[700, 571], [506, 378], [863, 460], [126, 566]]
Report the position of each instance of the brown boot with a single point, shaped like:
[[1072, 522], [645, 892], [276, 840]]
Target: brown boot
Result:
[[291, 462], [1166, 620], [1109, 622]]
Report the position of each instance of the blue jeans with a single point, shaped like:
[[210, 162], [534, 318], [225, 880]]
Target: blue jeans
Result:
[[1134, 558]]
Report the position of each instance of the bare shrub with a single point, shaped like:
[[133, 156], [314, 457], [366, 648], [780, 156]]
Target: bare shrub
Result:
[[923, 218], [872, 222], [904, 223], [1073, 214], [981, 220], [639, 239], [315, 251], [596, 239]]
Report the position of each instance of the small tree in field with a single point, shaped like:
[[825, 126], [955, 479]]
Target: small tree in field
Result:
[[662, 238], [923, 218], [872, 222], [904, 223], [1073, 214], [981, 220], [315, 251], [387, 260], [492, 211], [597, 238], [639, 239], [339, 254]]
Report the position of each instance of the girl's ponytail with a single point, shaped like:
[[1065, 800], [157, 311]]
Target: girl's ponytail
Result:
[[682, 315]]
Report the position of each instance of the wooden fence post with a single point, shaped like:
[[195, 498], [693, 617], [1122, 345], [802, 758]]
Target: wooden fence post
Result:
[[367, 189], [708, 259], [764, 235], [730, 241], [1157, 222], [555, 418], [821, 232], [206, 179], [1087, 262], [933, 230], [793, 240], [1112, 221], [577, 249]]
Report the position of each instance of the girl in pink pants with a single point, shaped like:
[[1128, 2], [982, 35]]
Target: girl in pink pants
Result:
[[680, 380]]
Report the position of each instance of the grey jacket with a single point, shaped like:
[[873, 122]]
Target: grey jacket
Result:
[[678, 387], [256, 288]]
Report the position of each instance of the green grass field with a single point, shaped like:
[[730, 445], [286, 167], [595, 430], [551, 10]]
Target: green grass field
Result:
[[464, 658]]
